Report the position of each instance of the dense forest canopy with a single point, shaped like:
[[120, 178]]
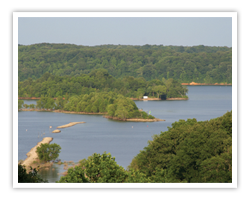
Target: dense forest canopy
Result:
[[112, 104], [190, 151], [99, 80], [202, 64]]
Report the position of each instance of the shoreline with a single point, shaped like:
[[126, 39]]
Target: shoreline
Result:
[[32, 159], [159, 99], [176, 99], [108, 117], [60, 111], [135, 119], [193, 83], [86, 113]]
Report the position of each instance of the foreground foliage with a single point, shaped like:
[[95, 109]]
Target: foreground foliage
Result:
[[101, 169], [190, 151], [30, 177]]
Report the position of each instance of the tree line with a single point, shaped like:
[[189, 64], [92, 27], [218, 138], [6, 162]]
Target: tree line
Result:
[[202, 64], [100, 81]]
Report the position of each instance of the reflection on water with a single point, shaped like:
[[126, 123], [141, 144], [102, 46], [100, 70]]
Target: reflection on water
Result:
[[52, 174]]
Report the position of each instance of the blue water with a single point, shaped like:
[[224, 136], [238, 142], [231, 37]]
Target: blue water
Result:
[[123, 140]]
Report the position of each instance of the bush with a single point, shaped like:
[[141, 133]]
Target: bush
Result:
[[74, 175]]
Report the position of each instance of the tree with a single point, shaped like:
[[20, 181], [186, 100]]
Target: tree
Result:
[[48, 152], [59, 103], [111, 110], [32, 106], [25, 105], [50, 103], [20, 104], [74, 175], [140, 93], [104, 169], [160, 90]]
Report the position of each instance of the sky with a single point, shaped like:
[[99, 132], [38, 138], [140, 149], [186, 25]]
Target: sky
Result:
[[92, 31]]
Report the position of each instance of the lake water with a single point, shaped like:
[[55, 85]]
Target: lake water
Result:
[[123, 140]]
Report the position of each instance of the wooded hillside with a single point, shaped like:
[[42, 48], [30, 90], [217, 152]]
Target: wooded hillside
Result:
[[200, 64]]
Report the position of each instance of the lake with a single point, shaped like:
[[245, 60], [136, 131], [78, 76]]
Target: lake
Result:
[[123, 140]]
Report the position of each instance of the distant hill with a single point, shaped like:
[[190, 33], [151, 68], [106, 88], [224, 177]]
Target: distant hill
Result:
[[202, 64]]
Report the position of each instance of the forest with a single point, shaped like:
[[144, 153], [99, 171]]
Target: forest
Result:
[[202, 64], [100, 81]]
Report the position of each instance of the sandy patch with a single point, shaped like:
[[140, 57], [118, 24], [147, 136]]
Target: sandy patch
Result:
[[135, 119], [32, 155], [56, 131], [70, 124]]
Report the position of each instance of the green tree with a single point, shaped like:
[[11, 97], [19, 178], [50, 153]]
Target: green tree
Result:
[[59, 103], [32, 106], [26, 106], [74, 175], [48, 152], [111, 110], [20, 104], [159, 89], [104, 169], [50, 103]]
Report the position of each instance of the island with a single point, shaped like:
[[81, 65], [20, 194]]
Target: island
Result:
[[110, 104]]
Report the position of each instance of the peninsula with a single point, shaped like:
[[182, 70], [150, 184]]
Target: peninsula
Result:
[[32, 159]]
